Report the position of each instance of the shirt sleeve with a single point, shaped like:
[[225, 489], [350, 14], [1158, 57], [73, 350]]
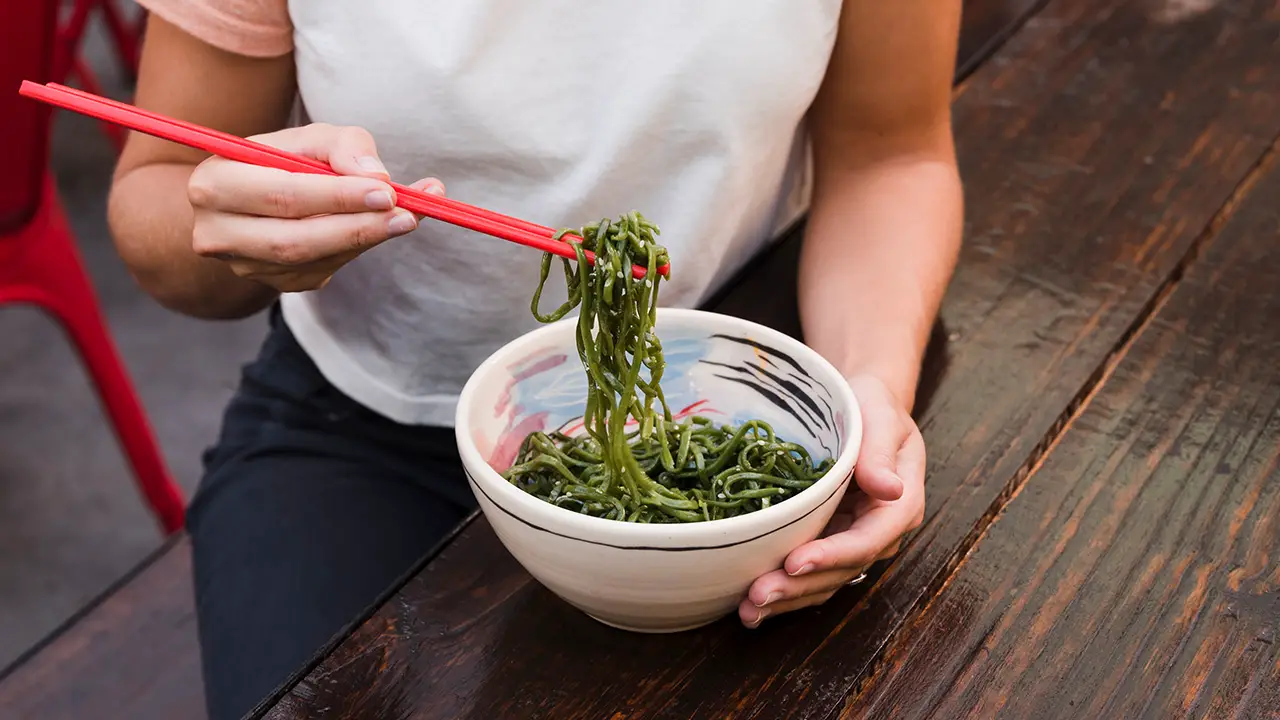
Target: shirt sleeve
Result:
[[254, 28]]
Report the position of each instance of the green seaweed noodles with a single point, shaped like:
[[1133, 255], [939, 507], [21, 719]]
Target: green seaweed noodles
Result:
[[662, 470]]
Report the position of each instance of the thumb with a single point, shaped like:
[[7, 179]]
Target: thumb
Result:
[[350, 150], [876, 471]]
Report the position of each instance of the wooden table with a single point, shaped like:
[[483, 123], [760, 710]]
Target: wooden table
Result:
[[1103, 529], [1102, 410], [130, 654]]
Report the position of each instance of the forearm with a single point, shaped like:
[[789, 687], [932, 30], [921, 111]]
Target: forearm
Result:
[[879, 250], [149, 214], [150, 220]]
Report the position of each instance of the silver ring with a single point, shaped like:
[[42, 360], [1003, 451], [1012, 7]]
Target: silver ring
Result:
[[858, 579]]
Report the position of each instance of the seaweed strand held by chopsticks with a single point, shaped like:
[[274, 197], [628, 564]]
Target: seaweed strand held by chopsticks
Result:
[[660, 470]]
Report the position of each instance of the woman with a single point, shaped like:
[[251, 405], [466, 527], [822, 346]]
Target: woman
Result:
[[335, 468]]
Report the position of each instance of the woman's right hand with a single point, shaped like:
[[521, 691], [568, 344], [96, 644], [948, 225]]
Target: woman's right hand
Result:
[[293, 231]]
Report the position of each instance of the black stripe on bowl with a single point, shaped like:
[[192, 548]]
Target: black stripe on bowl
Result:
[[535, 526], [777, 400], [766, 348], [780, 384]]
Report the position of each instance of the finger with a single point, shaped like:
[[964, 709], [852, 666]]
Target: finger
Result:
[[348, 150], [777, 586], [912, 463], [859, 546], [355, 153], [883, 434], [239, 188], [297, 242], [751, 616]]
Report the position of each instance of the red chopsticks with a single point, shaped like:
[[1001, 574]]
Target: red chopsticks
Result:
[[246, 151]]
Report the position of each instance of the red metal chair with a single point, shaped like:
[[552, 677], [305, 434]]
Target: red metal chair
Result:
[[39, 261], [126, 37]]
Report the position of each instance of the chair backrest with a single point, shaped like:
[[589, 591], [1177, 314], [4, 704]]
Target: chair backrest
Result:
[[27, 37]]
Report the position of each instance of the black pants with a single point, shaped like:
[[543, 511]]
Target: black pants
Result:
[[311, 506]]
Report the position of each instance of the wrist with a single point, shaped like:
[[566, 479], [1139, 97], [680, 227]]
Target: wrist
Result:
[[901, 390]]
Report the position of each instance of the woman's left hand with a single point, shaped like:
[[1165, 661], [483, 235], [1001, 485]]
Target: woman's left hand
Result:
[[887, 503]]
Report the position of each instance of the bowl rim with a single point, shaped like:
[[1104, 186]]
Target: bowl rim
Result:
[[659, 536]]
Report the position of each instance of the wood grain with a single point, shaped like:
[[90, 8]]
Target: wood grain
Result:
[[132, 655], [987, 24], [146, 624], [1097, 145], [1136, 573]]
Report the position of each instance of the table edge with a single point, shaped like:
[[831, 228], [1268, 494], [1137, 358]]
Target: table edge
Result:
[[323, 652], [150, 559]]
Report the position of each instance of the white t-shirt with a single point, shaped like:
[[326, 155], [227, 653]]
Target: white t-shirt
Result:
[[558, 112]]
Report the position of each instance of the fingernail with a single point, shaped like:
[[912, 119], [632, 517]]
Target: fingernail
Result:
[[402, 222], [371, 164], [760, 616], [804, 569], [434, 188], [379, 200], [772, 596]]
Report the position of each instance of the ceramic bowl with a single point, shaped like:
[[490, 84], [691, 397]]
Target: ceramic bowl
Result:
[[658, 577]]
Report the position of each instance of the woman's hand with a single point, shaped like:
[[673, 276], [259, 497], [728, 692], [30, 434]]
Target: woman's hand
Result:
[[293, 231], [887, 503]]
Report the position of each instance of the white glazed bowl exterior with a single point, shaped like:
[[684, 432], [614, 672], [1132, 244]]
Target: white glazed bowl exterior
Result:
[[659, 577]]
